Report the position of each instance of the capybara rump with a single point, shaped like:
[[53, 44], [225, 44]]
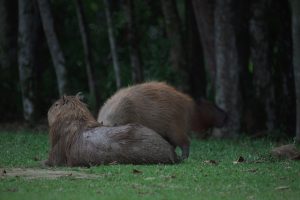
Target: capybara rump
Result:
[[129, 144]]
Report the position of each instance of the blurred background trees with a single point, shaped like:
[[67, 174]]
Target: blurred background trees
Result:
[[244, 55]]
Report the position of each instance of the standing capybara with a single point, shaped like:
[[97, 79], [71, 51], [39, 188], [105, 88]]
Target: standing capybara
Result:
[[162, 108], [77, 139]]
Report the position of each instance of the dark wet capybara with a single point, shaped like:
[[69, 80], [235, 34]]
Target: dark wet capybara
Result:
[[77, 139]]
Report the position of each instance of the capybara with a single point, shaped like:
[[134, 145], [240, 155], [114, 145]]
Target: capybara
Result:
[[162, 108], [77, 139]]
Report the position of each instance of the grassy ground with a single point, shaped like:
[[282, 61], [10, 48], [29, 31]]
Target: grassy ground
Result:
[[260, 177]]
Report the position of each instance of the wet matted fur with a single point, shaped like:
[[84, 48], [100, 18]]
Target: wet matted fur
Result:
[[77, 139]]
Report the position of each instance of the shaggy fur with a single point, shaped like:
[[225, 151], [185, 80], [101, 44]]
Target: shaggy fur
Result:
[[162, 108], [77, 139]]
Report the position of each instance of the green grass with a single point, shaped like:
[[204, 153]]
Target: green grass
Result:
[[260, 177]]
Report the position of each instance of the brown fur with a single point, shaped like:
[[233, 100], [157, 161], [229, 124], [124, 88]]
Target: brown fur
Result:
[[77, 139], [162, 108], [206, 116]]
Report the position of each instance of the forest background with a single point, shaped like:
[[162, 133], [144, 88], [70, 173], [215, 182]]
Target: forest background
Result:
[[242, 55]]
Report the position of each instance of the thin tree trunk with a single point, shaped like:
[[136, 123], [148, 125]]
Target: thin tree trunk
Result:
[[261, 59], [8, 35], [54, 46], [195, 58], [174, 34], [86, 49], [9, 59], [133, 40], [295, 5], [283, 71], [112, 42], [204, 13], [26, 43], [228, 94]]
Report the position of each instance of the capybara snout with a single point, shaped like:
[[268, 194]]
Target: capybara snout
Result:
[[212, 114]]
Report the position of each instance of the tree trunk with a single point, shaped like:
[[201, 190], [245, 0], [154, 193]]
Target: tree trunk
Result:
[[8, 35], [261, 59], [54, 46], [26, 43], [112, 42], [282, 61], [195, 58], [174, 34], [295, 5], [9, 59], [228, 95], [87, 50], [133, 40], [204, 13]]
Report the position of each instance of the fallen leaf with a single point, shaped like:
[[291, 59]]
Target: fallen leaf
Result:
[[69, 174], [36, 158], [169, 177], [142, 192], [283, 178], [251, 170], [239, 160], [288, 151], [12, 190], [214, 162], [113, 163], [149, 178], [259, 161], [296, 157], [99, 192], [135, 171], [282, 188]]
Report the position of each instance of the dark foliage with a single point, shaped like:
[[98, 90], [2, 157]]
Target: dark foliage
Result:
[[150, 33]]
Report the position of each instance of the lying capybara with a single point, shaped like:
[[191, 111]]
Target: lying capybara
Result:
[[162, 108], [77, 139]]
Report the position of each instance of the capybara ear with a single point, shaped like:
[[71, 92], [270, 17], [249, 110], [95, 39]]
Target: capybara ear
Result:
[[80, 96], [65, 99]]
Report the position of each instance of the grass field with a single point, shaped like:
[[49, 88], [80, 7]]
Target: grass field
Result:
[[209, 173]]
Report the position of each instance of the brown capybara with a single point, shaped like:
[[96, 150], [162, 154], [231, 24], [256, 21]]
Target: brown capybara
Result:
[[77, 139], [162, 108]]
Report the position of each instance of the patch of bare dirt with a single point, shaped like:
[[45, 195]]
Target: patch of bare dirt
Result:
[[30, 173]]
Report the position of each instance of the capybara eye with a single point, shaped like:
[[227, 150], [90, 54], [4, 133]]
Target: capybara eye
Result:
[[56, 104]]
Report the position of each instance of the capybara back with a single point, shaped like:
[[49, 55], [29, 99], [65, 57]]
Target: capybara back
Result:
[[162, 108]]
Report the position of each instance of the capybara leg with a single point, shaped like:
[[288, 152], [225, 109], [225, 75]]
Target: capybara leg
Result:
[[182, 141], [185, 151], [179, 138], [184, 144]]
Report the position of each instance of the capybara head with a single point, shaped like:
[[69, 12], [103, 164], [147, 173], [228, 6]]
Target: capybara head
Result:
[[67, 116], [68, 106], [208, 115]]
